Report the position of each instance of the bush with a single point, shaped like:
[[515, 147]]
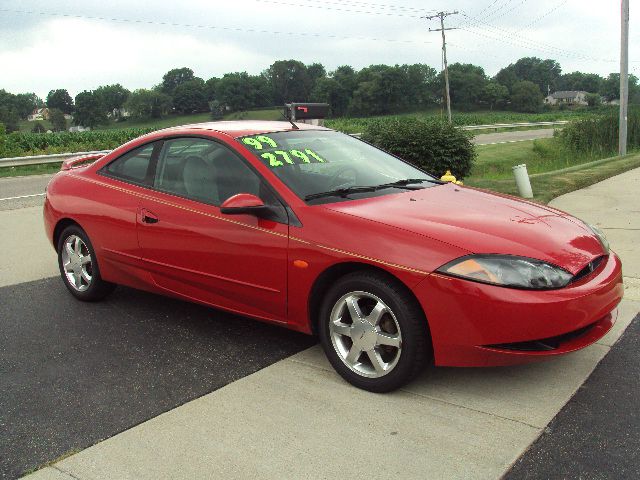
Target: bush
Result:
[[38, 128], [598, 135], [434, 146]]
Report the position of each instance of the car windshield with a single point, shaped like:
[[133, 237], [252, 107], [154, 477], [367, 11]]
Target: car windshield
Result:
[[323, 166]]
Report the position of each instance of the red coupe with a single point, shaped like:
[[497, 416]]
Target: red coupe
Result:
[[323, 233]]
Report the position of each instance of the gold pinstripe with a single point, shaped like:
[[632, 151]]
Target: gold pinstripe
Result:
[[260, 229]]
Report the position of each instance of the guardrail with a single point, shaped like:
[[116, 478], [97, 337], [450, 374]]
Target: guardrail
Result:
[[61, 157], [42, 159], [496, 126]]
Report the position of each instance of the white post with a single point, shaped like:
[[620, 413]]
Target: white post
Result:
[[522, 181]]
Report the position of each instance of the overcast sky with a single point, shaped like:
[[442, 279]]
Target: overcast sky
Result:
[[81, 44]]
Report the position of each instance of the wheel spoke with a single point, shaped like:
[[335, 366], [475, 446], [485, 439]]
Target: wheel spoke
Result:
[[85, 275], [388, 339], [68, 267], [352, 356], [354, 308], [85, 259], [77, 279], [376, 314], [376, 361], [77, 247], [342, 329], [69, 248]]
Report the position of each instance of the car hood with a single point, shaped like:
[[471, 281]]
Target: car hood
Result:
[[482, 222]]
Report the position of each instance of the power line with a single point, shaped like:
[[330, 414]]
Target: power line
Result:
[[385, 6], [211, 27], [337, 9], [525, 42]]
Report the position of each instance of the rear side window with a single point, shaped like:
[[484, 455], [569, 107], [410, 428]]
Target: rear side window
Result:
[[135, 166]]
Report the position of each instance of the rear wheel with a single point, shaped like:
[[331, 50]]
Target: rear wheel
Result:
[[373, 331], [79, 267]]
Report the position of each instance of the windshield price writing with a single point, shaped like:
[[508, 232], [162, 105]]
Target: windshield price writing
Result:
[[278, 158]]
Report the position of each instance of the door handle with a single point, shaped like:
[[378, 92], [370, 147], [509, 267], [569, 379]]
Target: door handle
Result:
[[148, 217]]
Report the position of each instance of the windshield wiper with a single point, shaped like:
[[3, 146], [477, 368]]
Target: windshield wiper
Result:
[[408, 181], [343, 192]]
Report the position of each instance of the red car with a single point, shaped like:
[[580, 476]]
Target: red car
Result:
[[322, 233]]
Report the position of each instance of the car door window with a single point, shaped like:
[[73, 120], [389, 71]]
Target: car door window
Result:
[[204, 170], [135, 166]]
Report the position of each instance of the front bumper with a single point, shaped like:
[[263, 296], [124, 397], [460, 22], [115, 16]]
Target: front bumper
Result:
[[474, 324]]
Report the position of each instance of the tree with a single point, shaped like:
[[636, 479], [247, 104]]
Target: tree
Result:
[[289, 80], [237, 91], [190, 96], [10, 119], [113, 97], [144, 103], [25, 103], [174, 78], [61, 100], [495, 95], [90, 110], [526, 97], [544, 73], [56, 117], [331, 91], [316, 71], [593, 99], [466, 84], [211, 88], [587, 82], [422, 85], [610, 88], [381, 90]]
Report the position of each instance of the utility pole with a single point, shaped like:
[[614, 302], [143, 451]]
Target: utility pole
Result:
[[624, 76], [441, 16]]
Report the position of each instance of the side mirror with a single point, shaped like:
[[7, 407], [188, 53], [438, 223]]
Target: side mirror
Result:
[[244, 203]]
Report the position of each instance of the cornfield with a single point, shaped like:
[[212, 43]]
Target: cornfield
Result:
[[22, 144]]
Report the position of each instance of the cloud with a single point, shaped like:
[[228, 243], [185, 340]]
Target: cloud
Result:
[[41, 52]]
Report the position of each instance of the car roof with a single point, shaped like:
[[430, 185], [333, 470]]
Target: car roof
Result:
[[240, 128]]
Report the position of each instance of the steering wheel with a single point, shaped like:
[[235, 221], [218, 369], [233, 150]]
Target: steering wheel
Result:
[[333, 181]]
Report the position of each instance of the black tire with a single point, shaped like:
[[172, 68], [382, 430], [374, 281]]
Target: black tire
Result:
[[94, 290], [415, 346]]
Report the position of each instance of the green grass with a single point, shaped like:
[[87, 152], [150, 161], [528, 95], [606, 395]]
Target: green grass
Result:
[[30, 170], [542, 155], [549, 185]]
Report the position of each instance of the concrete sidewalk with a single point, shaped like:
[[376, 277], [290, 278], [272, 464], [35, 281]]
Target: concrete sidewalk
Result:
[[298, 419]]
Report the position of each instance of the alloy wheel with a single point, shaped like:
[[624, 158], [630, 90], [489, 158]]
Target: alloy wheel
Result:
[[365, 334]]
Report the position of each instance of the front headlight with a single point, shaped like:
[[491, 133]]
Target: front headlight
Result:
[[508, 271], [600, 234]]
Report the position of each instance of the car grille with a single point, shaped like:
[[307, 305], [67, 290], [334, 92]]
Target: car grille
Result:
[[591, 267], [544, 344]]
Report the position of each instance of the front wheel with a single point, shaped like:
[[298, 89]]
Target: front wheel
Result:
[[373, 331], [79, 266]]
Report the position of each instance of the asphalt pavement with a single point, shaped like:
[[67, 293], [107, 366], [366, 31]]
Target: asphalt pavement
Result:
[[75, 373], [20, 192], [512, 136], [597, 434]]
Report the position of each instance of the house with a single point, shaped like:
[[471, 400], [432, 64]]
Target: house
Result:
[[567, 97], [39, 114]]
